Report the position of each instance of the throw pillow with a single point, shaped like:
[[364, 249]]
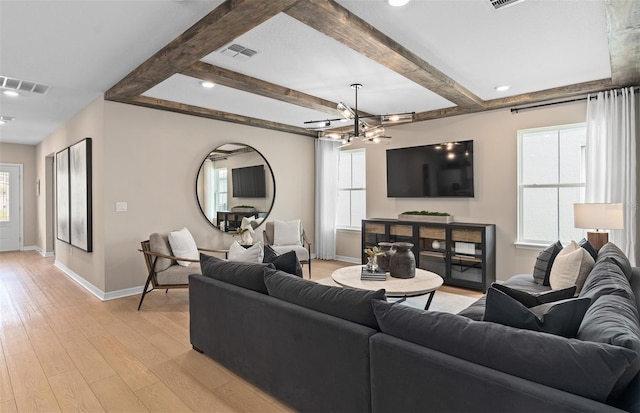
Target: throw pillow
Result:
[[581, 367], [531, 300], [183, 246], [248, 275], [583, 243], [287, 232], [544, 262], [571, 267], [561, 318], [239, 253], [615, 254], [287, 262], [346, 303]]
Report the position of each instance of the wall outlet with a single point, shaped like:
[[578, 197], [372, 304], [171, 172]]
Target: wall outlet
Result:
[[121, 207]]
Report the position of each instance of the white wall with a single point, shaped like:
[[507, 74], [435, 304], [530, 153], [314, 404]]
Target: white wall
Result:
[[150, 159], [495, 162]]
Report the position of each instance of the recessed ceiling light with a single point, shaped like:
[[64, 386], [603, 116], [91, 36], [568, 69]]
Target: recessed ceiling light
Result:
[[502, 88], [11, 93], [397, 3], [207, 84]]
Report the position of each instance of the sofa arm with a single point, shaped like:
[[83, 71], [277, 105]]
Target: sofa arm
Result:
[[406, 377]]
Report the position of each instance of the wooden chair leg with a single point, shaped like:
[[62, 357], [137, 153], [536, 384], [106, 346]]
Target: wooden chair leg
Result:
[[144, 292]]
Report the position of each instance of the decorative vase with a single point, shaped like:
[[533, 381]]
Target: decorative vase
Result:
[[372, 263], [383, 260], [402, 263], [246, 238]]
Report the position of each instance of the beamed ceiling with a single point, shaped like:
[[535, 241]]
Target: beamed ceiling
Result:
[[436, 58]]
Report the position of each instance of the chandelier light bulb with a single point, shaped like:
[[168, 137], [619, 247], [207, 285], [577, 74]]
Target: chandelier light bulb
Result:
[[397, 3]]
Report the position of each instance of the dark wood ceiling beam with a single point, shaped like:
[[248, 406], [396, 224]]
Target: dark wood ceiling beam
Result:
[[221, 76], [176, 107], [623, 27], [579, 89], [221, 26], [335, 21]]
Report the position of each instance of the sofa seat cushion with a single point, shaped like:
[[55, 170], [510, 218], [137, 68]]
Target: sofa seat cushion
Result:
[[248, 275], [476, 310], [346, 303], [524, 282], [177, 274], [585, 368], [614, 319]]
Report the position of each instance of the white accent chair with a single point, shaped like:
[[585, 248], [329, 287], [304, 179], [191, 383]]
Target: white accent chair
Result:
[[302, 248]]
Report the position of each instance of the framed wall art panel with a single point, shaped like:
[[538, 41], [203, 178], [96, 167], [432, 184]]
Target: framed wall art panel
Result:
[[63, 226], [80, 194]]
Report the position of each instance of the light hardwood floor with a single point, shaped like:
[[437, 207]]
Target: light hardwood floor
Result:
[[62, 349]]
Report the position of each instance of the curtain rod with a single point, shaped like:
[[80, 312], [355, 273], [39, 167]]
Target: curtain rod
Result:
[[540, 105]]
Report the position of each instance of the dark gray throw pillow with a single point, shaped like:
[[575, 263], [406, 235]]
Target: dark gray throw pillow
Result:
[[544, 262], [287, 262], [346, 303], [589, 248], [248, 275], [581, 367], [533, 299], [561, 318]]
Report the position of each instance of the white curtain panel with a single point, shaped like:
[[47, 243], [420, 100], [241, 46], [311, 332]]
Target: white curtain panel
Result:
[[327, 158], [209, 191], [611, 174]]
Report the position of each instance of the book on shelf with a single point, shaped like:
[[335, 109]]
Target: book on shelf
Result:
[[377, 275]]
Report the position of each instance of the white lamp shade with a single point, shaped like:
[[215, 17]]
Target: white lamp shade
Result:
[[598, 216]]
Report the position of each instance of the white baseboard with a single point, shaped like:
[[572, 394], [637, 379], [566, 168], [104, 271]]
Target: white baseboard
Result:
[[101, 295], [349, 259]]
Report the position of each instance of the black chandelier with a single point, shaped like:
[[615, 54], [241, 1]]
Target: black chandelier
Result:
[[368, 128]]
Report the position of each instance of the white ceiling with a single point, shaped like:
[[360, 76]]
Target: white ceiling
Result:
[[82, 48]]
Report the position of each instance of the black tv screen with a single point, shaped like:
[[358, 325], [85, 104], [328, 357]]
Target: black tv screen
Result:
[[248, 182], [439, 170]]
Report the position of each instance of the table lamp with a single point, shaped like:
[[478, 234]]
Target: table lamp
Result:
[[598, 217]]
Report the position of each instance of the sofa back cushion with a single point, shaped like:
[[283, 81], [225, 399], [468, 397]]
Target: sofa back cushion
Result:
[[612, 252], [585, 368], [346, 303], [614, 319], [248, 275], [604, 279]]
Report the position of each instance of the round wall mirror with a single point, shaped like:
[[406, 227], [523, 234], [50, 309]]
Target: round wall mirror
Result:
[[234, 182]]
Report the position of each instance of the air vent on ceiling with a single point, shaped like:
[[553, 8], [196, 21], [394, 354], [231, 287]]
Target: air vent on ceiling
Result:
[[239, 52], [502, 3], [23, 85]]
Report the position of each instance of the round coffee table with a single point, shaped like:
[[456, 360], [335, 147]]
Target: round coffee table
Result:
[[425, 282]]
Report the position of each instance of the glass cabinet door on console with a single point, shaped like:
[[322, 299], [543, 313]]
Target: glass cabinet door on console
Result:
[[432, 247], [467, 256]]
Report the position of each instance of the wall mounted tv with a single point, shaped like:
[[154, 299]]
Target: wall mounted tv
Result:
[[439, 170], [248, 182]]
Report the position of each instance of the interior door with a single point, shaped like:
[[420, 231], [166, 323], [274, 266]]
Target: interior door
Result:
[[10, 208]]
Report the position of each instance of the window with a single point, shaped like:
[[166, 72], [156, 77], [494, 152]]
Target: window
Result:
[[551, 178], [220, 182], [4, 196], [352, 194]]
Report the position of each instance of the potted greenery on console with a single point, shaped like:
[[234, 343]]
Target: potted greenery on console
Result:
[[426, 216]]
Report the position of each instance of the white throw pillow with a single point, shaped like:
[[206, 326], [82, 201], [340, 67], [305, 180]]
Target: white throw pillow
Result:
[[184, 246], [286, 232], [571, 267], [254, 253]]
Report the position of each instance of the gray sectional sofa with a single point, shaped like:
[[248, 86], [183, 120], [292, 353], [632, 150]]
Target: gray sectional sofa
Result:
[[329, 349]]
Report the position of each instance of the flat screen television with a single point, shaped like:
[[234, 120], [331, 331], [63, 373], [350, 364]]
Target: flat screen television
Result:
[[439, 170], [249, 182]]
